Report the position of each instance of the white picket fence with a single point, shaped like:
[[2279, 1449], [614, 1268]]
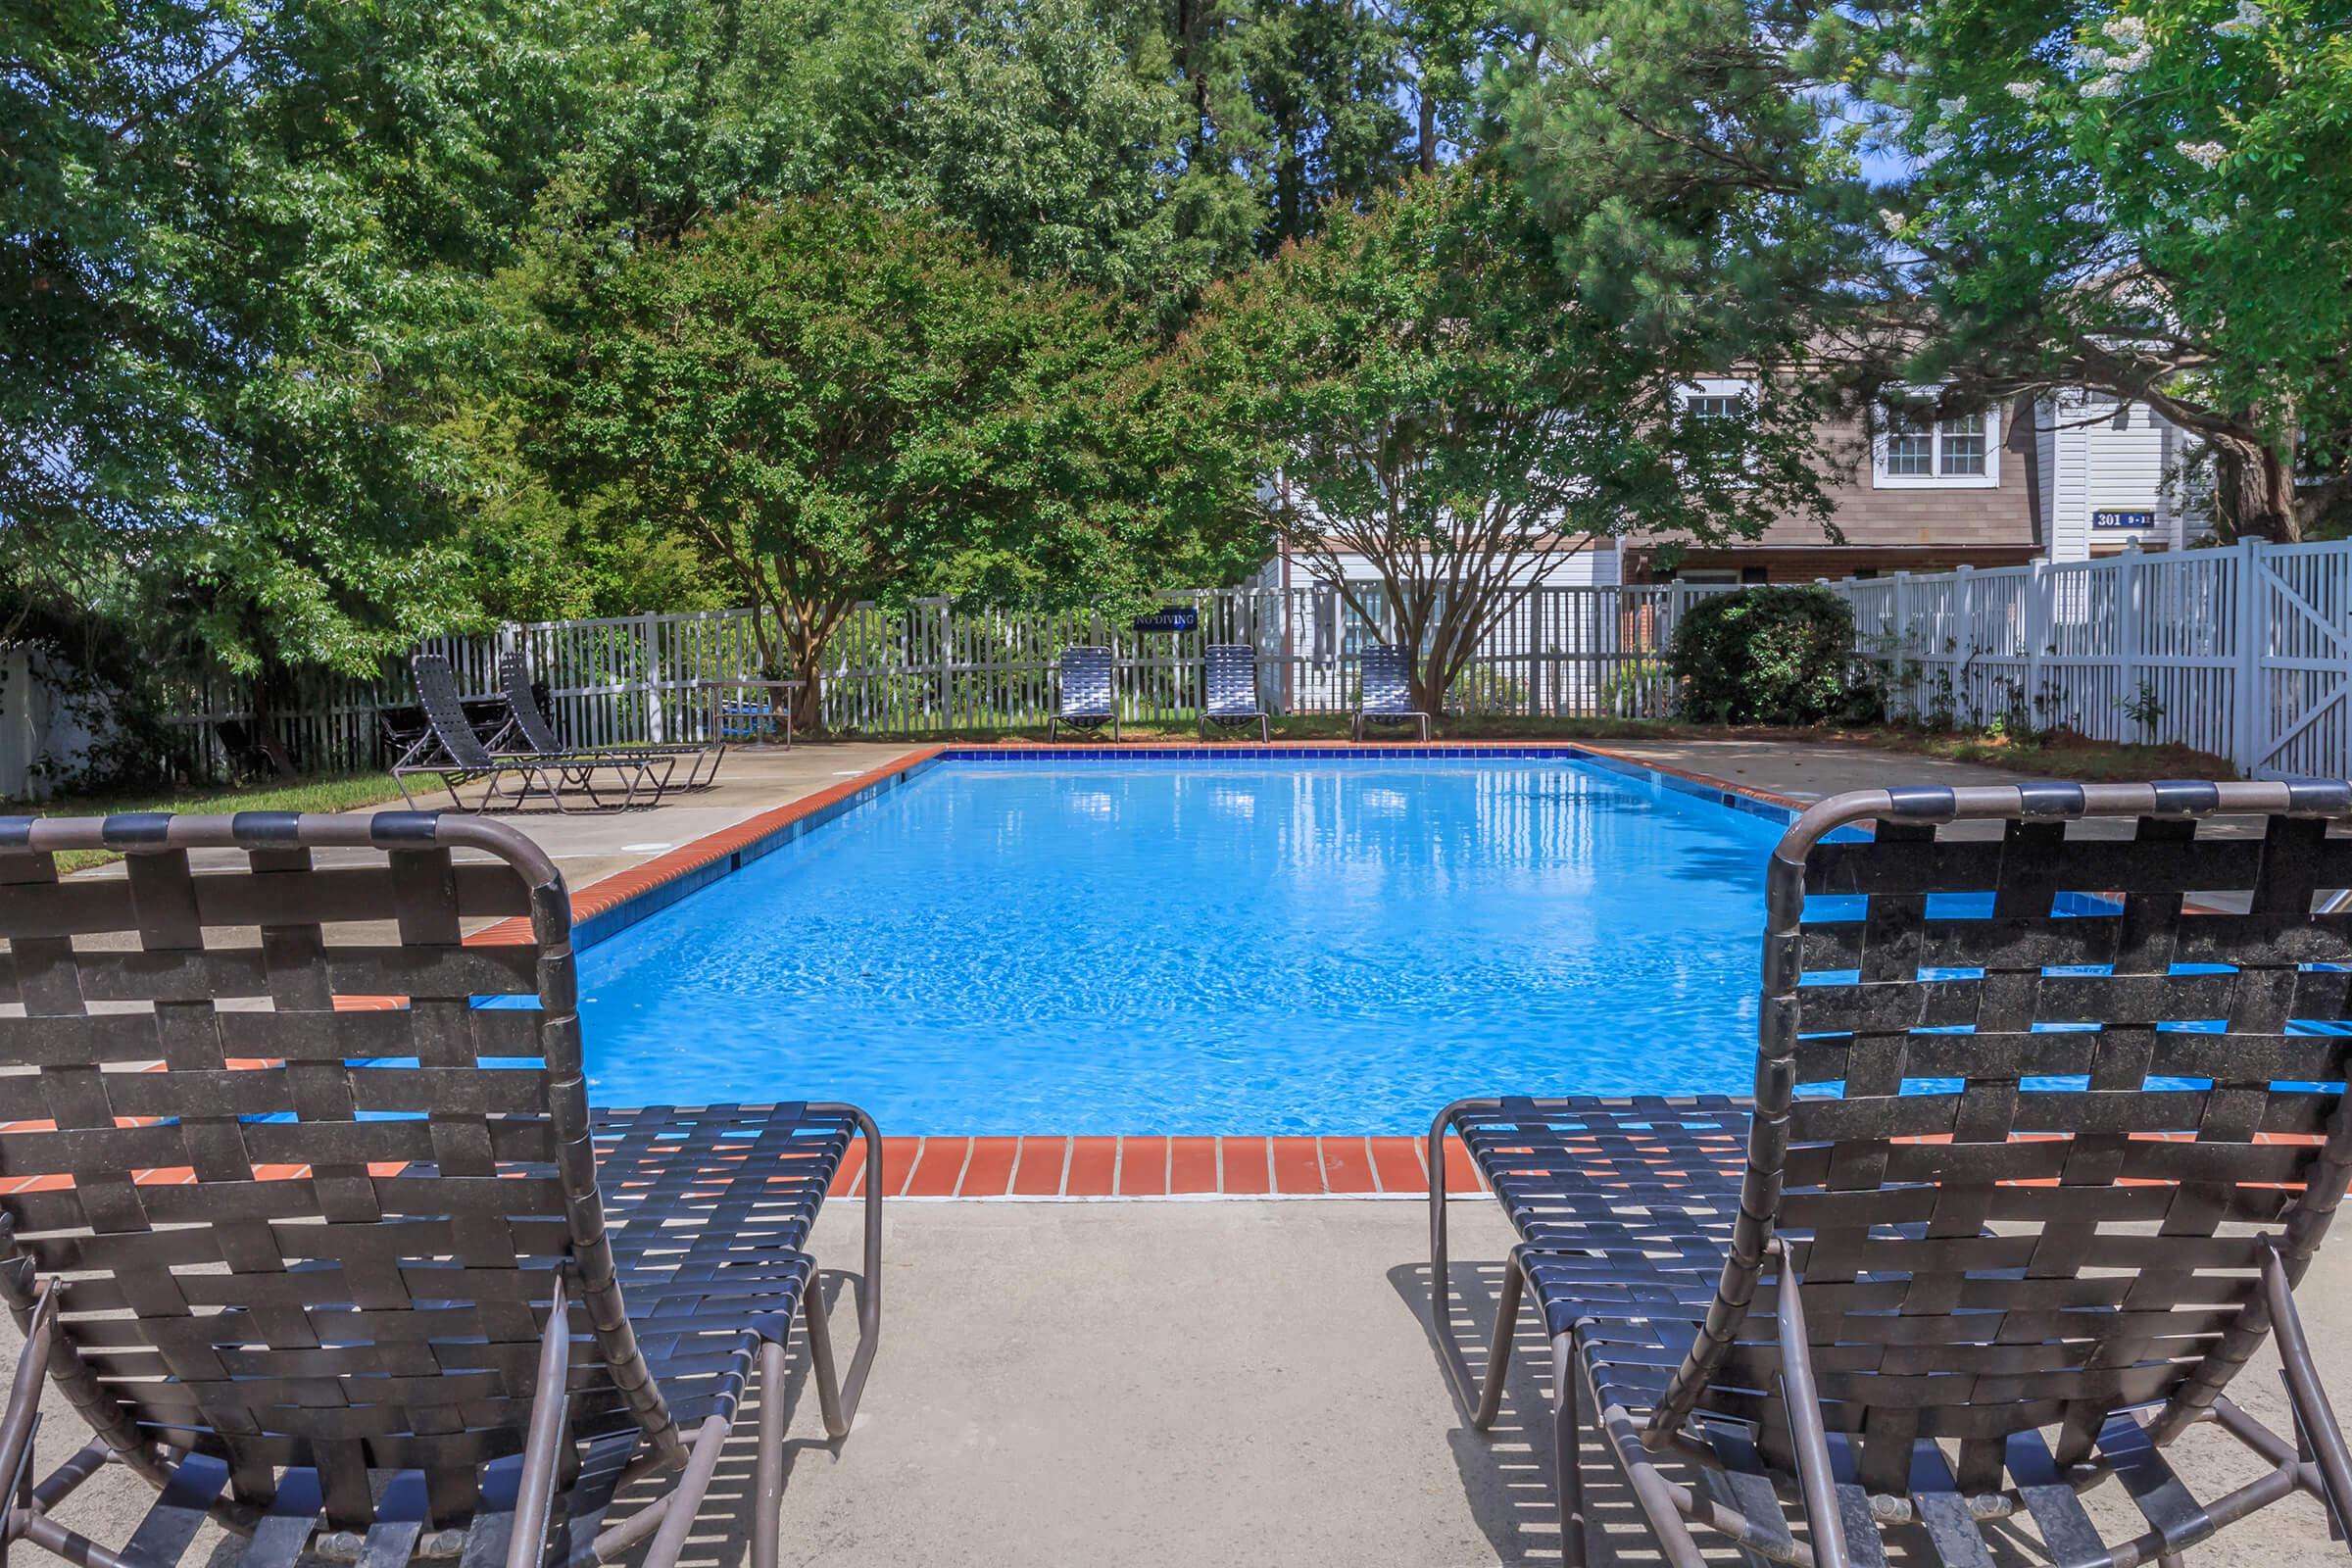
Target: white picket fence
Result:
[[2246, 652]]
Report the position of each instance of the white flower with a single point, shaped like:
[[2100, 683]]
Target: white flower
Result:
[[2024, 92], [2249, 18], [2284, 214], [1948, 107], [2104, 87], [2126, 30], [2243, 202], [1920, 25], [2133, 61], [2208, 225], [1893, 219], [2205, 154]]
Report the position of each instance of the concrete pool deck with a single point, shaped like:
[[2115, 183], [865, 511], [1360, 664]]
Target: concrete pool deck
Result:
[[1188, 1385]]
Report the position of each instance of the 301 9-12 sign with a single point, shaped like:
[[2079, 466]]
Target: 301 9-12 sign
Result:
[[2122, 520]]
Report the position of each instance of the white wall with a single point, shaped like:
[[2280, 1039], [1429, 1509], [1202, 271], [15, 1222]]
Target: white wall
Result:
[[2098, 454], [1596, 565], [42, 737]]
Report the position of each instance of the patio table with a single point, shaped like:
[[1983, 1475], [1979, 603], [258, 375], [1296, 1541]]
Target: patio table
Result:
[[779, 694]]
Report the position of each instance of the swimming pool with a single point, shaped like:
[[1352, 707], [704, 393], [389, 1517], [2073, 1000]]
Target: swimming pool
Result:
[[1323, 945]]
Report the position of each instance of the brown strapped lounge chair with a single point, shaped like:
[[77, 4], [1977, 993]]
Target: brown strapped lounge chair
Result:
[[370, 1284], [526, 723], [2126, 1136], [451, 752]]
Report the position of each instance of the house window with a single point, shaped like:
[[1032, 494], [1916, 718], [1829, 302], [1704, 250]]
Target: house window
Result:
[[1717, 397], [1919, 447]]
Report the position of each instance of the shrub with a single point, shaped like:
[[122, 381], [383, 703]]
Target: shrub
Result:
[[1764, 655]]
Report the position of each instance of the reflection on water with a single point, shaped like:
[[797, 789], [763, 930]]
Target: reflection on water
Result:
[[1330, 946]]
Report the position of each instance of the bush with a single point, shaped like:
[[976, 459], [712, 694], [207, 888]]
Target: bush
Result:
[[1764, 655]]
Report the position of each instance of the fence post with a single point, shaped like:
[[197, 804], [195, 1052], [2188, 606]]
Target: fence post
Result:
[[2251, 722], [2128, 676], [2036, 631], [1906, 671], [651, 624]]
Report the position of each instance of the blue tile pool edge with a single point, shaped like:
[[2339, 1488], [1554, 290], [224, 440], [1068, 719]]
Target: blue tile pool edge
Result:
[[610, 922]]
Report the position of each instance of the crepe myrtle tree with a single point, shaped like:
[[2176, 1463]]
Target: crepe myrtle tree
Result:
[[2145, 198], [836, 404], [1421, 387]]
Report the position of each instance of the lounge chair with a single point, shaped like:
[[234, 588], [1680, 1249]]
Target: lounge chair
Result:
[[1089, 696], [1229, 676], [313, 1240], [526, 723], [451, 752], [1386, 697], [2126, 1138]]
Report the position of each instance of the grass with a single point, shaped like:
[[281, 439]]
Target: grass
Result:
[[336, 792]]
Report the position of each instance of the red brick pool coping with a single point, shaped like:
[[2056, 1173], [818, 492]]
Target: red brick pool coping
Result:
[[1045, 1168]]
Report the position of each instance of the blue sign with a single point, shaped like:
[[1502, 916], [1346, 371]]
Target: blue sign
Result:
[[2122, 520], [1168, 621]]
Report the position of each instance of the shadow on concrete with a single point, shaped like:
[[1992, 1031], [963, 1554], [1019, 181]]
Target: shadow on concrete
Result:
[[1506, 1471]]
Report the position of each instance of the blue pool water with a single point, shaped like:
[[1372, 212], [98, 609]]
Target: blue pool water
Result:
[[1147, 947]]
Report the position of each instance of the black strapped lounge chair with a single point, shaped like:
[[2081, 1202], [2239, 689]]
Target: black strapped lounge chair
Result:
[[528, 724], [2128, 1137], [1089, 696], [1229, 677], [376, 1296], [450, 752], [1386, 697]]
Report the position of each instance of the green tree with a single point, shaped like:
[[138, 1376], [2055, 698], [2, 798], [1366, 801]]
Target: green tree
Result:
[[2143, 197], [836, 404], [1423, 390], [243, 245]]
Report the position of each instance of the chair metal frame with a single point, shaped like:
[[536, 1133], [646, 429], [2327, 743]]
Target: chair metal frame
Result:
[[262, 1341], [1876, 1201]]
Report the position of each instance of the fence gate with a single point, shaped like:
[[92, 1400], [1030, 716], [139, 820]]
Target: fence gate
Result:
[[2299, 661]]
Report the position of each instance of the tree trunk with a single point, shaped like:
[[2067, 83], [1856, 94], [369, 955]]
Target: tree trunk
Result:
[[2253, 492], [1427, 136], [807, 631]]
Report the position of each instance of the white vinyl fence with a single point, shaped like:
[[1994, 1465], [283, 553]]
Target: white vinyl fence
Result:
[[2246, 652], [932, 669]]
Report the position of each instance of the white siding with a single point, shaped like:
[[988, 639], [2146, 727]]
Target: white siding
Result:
[[2100, 456]]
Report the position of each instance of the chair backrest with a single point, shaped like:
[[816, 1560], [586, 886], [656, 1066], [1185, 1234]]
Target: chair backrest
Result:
[[2040, 1070], [1229, 672], [515, 680], [301, 1195], [1387, 687], [445, 711], [1086, 689]]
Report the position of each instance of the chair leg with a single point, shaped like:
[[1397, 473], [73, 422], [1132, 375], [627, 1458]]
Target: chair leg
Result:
[[768, 1485], [820, 1361], [1499, 1346], [1567, 1439]]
